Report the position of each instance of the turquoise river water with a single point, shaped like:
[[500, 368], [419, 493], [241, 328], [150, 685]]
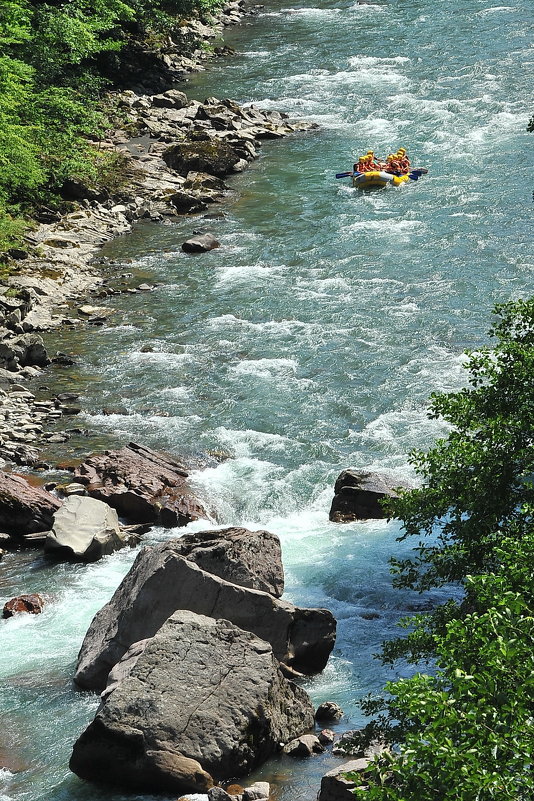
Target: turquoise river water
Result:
[[309, 342]]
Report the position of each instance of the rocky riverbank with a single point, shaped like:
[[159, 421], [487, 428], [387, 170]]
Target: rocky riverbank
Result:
[[177, 153]]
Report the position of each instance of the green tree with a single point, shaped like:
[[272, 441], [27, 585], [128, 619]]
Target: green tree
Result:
[[465, 733], [478, 481]]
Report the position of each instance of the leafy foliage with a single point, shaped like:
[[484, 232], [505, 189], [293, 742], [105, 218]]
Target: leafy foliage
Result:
[[466, 732], [478, 481], [51, 83]]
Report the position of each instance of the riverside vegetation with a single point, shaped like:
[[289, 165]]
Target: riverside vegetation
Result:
[[466, 730], [56, 60]]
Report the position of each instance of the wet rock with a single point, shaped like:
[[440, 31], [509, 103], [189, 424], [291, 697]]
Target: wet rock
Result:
[[203, 699], [326, 737], [24, 509], [162, 581], [336, 787], [84, 529], [30, 604], [218, 794], [357, 495], [304, 746], [200, 244], [108, 410], [328, 711], [142, 485]]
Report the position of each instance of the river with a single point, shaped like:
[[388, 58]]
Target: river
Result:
[[308, 343]]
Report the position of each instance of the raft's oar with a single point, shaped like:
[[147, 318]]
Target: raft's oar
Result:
[[344, 174], [414, 175]]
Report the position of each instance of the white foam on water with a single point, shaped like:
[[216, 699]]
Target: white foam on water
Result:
[[397, 432], [320, 13], [494, 10], [266, 368], [161, 357], [247, 273], [400, 229], [367, 8], [386, 61], [245, 443]]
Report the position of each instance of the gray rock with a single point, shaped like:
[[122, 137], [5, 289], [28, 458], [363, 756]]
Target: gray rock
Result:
[[249, 558], [204, 700], [329, 711], [161, 581], [84, 529], [200, 244], [334, 785], [259, 791], [218, 794], [304, 746], [357, 495], [173, 98], [326, 737]]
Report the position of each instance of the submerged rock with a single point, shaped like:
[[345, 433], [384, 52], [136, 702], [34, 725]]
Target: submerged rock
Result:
[[203, 701], [162, 581]]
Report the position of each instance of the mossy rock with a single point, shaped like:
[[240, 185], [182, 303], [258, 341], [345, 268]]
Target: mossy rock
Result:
[[212, 156]]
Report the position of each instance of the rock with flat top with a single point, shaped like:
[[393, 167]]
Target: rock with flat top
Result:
[[84, 529], [335, 786], [142, 485], [249, 558], [25, 509], [162, 581], [203, 701]]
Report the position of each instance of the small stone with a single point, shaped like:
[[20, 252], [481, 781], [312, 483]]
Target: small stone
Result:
[[329, 711], [326, 737], [31, 604], [257, 791]]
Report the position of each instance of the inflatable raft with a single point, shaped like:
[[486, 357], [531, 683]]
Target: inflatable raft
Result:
[[367, 180], [381, 178]]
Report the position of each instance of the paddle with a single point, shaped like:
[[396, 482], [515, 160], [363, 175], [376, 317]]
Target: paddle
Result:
[[344, 174], [414, 175]]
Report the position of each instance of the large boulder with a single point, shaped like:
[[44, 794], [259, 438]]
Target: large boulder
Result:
[[25, 509], [162, 581], [357, 495], [202, 702], [205, 154], [249, 558], [84, 529], [142, 485]]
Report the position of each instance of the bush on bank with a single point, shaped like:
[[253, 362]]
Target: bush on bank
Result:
[[466, 732], [52, 77]]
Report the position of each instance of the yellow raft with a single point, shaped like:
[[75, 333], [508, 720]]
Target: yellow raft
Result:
[[377, 178]]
